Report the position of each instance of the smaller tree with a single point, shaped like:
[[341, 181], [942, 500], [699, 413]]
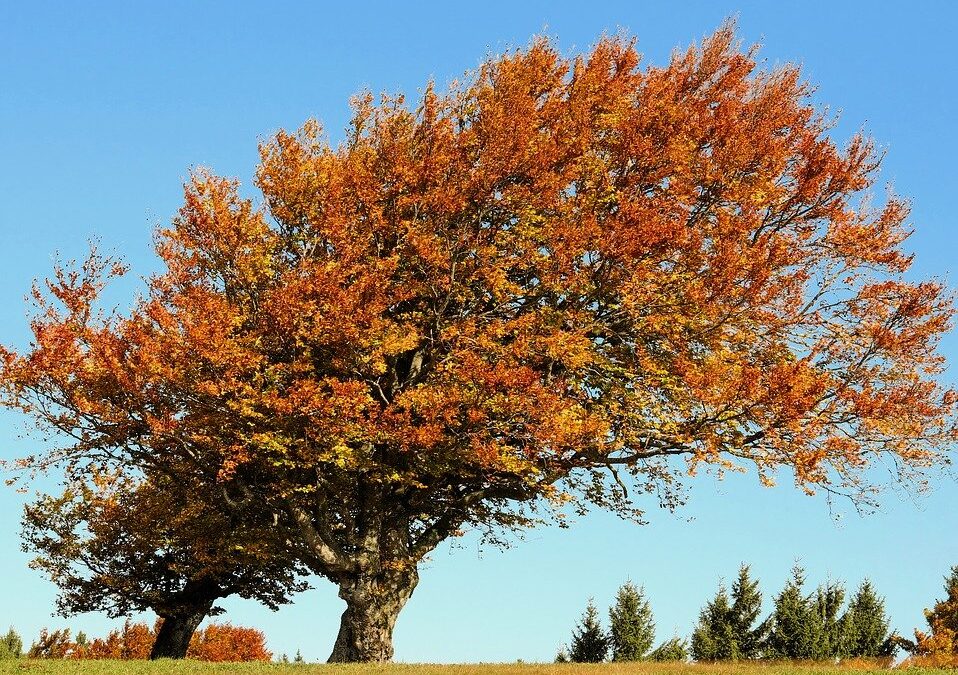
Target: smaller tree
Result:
[[119, 545], [673, 649], [827, 604], [746, 608], [794, 627], [864, 625], [943, 621], [713, 639], [631, 626], [590, 644], [11, 645]]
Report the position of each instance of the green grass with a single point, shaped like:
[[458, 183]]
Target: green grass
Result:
[[43, 667]]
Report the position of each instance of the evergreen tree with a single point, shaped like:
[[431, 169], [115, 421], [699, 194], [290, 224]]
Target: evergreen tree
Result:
[[673, 649], [11, 645], [713, 638], [590, 644], [794, 627], [865, 625], [827, 605], [562, 655], [632, 629], [746, 607]]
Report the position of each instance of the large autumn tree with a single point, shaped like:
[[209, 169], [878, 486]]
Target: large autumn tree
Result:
[[564, 282]]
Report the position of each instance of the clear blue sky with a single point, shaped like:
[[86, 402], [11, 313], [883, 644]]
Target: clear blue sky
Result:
[[105, 106]]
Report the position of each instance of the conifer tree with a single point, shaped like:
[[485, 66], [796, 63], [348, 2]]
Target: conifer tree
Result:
[[794, 625], [11, 645], [590, 644], [632, 628], [865, 625], [827, 605], [726, 630], [713, 638], [673, 649], [746, 607]]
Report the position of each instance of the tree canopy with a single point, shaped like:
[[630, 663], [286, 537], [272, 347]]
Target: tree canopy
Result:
[[564, 282]]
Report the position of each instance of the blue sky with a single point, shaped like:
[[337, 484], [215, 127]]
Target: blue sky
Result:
[[104, 107]]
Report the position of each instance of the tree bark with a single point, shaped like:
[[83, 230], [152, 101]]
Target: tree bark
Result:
[[373, 604], [173, 638]]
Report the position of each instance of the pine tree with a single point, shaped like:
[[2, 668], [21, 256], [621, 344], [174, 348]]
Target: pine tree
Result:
[[713, 638], [865, 625], [590, 644], [562, 654], [632, 629], [746, 608], [673, 649], [794, 628]]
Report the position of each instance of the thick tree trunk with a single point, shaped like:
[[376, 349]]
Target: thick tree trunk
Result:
[[175, 633], [372, 607]]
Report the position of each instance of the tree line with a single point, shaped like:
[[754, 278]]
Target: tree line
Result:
[[806, 626], [564, 283]]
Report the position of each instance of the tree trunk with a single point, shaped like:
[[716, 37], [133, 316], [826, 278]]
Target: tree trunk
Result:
[[173, 638], [372, 607]]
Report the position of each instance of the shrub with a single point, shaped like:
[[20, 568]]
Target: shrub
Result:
[[55, 645], [225, 642]]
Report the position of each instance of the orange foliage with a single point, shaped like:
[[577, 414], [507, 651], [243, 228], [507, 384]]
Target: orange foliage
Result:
[[134, 641], [943, 623], [565, 281], [225, 642]]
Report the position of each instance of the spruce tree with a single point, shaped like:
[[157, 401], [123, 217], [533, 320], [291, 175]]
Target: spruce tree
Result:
[[795, 626], [865, 625], [673, 649], [590, 644], [713, 638], [632, 629], [11, 645], [828, 602], [746, 608]]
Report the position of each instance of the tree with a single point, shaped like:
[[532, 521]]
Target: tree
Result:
[[713, 638], [673, 649], [122, 546], [11, 645], [826, 605], [943, 623], [745, 610], [631, 627], [795, 625], [590, 644], [865, 625], [565, 282]]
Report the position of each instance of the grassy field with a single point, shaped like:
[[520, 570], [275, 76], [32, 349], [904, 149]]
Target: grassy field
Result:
[[198, 668]]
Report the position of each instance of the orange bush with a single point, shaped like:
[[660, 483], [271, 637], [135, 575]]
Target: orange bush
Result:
[[133, 641], [225, 642], [216, 642], [55, 645]]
